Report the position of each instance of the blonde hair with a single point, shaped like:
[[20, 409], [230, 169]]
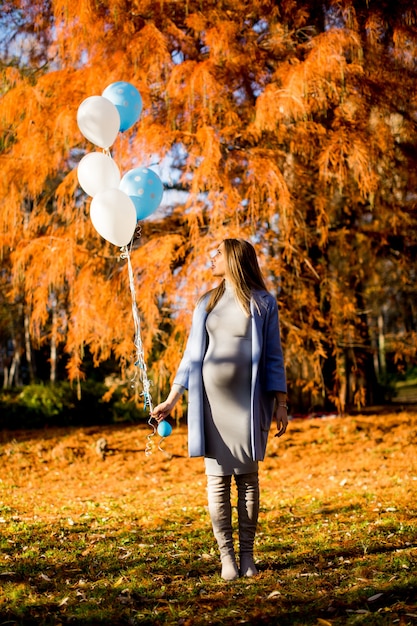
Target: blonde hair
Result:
[[243, 272]]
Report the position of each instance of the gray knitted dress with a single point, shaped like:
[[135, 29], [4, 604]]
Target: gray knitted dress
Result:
[[227, 381]]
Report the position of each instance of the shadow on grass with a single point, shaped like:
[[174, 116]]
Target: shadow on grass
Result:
[[170, 575]]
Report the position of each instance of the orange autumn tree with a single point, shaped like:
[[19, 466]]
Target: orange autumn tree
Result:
[[290, 124]]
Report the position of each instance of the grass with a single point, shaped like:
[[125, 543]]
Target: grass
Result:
[[127, 539]]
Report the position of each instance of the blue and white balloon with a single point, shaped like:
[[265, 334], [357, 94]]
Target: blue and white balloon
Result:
[[144, 188], [96, 172], [127, 100], [113, 216], [164, 429], [99, 121]]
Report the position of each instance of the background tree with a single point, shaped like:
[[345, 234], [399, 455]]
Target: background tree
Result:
[[290, 124]]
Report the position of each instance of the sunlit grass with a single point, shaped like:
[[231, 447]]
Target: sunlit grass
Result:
[[128, 540]]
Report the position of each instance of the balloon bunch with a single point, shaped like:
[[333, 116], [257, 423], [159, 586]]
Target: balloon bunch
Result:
[[118, 202]]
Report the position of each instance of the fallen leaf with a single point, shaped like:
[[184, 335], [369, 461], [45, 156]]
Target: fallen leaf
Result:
[[375, 597], [126, 555]]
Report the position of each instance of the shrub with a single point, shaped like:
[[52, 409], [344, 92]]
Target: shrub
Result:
[[36, 406]]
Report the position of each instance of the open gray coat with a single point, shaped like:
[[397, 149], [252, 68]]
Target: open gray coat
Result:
[[268, 374]]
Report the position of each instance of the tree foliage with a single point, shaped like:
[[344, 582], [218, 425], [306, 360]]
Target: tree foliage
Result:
[[292, 124]]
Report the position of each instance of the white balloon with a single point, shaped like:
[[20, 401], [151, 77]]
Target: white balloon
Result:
[[96, 172], [113, 215], [99, 121]]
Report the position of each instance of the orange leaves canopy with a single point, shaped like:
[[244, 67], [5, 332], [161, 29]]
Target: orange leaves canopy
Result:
[[293, 126]]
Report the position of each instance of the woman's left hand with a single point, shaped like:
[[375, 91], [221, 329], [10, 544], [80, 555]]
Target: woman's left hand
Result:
[[281, 417]]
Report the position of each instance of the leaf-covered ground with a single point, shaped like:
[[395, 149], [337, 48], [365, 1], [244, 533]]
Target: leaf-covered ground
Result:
[[127, 539]]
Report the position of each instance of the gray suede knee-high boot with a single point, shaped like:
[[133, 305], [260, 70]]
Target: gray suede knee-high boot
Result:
[[220, 509], [248, 511]]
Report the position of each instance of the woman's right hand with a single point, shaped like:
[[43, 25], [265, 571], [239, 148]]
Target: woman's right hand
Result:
[[161, 411]]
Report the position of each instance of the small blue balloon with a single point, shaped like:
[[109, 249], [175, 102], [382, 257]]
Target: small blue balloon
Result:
[[144, 188], [164, 429], [127, 100]]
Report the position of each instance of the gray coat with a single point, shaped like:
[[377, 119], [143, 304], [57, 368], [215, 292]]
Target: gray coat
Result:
[[268, 373]]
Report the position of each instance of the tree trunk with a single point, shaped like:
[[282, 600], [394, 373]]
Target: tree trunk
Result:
[[13, 377], [381, 348], [341, 376], [5, 377], [28, 349], [53, 357]]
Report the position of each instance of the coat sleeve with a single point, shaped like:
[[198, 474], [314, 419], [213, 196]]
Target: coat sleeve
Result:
[[189, 375], [182, 376], [273, 365], [183, 373], [268, 373]]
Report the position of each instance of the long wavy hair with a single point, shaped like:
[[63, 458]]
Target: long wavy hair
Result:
[[243, 272]]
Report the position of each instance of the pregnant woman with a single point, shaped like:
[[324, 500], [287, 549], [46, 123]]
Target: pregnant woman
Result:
[[233, 369]]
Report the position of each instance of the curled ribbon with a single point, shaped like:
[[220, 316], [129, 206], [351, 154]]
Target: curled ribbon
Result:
[[141, 373]]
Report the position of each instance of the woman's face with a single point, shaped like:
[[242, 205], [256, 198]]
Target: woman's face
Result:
[[218, 262]]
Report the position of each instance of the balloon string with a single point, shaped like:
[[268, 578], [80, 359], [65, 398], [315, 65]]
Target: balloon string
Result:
[[149, 443], [140, 363], [161, 449]]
